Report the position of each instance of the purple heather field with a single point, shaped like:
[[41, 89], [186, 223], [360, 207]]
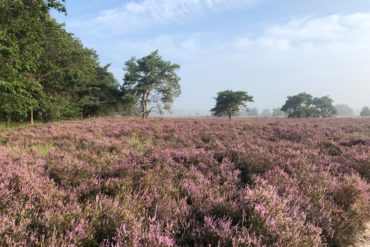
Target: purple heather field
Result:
[[186, 182]]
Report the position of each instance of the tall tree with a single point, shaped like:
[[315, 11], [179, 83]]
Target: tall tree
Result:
[[46, 71], [229, 103], [21, 25], [153, 81]]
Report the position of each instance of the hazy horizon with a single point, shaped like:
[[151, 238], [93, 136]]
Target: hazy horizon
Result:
[[269, 48]]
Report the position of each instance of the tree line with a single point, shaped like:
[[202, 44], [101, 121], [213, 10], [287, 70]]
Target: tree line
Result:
[[47, 74], [230, 103]]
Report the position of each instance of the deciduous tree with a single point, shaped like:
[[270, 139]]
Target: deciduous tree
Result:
[[304, 105]]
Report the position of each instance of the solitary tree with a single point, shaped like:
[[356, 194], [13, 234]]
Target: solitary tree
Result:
[[153, 81], [229, 102], [365, 112]]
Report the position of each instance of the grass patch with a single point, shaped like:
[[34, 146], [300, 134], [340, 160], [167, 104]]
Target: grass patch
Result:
[[136, 142], [42, 149], [15, 125]]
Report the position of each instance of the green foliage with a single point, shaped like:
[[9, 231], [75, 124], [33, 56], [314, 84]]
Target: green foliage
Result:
[[48, 70], [229, 103], [324, 107], [41, 149], [298, 106], [365, 112], [101, 97], [129, 106], [304, 105], [153, 81]]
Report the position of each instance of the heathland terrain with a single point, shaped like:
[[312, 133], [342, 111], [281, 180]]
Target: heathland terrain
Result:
[[185, 182]]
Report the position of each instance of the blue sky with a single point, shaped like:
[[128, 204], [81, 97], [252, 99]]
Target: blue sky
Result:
[[270, 48]]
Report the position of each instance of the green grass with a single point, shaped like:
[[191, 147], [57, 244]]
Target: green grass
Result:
[[15, 125], [42, 149], [136, 142]]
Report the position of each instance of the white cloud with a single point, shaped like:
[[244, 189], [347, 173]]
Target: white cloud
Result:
[[331, 32], [323, 55], [134, 14]]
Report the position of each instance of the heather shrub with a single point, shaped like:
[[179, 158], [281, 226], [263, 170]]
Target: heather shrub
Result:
[[277, 220], [171, 182], [352, 199]]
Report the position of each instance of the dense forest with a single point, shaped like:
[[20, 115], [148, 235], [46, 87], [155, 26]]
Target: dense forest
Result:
[[46, 73]]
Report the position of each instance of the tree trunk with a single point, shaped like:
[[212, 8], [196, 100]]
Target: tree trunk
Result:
[[31, 115], [144, 105], [229, 113], [8, 121]]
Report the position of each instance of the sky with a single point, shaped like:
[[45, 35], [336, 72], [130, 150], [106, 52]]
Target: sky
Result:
[[269, 48]]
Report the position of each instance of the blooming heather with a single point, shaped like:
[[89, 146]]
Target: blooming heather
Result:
[[185, 182]]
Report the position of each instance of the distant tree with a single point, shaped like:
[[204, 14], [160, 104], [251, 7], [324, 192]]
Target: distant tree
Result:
[[277, 112], [229, 103], [266, 113], [344, 110], [298, 106], [365, 112], [324, 107], [153, 81], [304, 105]]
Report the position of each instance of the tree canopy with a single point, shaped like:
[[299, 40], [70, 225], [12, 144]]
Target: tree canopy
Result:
[[153, 81], [229, 103], [304, 105]]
